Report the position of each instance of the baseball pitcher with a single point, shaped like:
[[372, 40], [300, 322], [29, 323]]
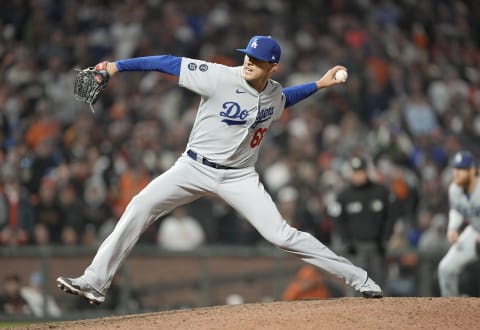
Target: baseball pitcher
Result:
[[237, 106], [464, 200]]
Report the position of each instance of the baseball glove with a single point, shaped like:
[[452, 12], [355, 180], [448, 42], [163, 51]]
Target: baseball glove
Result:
[[90, 82]]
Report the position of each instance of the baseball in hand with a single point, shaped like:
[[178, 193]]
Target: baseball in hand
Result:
[[341, 75]]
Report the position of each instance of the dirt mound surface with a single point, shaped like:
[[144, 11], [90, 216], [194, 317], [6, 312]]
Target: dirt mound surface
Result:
[[342, 313]]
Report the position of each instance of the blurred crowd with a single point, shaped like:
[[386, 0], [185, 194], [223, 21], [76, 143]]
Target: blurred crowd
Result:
[[19, 298], [411, 101]]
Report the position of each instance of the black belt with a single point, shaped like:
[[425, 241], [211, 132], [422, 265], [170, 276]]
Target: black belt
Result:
[[193, 155]]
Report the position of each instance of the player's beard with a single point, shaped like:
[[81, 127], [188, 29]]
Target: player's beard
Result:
[[462, 180]]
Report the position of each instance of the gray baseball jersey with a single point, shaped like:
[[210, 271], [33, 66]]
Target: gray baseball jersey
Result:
[[232, 117], [464, 206], [464, 250]]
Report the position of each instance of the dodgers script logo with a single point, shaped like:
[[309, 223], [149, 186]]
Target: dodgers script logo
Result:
[[233, 114], [262, 116]]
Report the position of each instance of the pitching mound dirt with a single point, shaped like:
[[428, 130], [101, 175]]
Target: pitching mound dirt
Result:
[[342, 313]]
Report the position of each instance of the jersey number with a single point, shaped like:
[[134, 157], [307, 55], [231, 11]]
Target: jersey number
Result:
[[257, 137]]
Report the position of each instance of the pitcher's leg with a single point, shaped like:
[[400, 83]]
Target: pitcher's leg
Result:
[[452, 264], [249, 198], [159, 197]]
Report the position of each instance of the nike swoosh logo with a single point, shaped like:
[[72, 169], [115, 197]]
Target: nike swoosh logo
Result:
[[238, 91]]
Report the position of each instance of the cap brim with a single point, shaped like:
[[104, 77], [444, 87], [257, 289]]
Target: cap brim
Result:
[[245, 51], [462, 167]]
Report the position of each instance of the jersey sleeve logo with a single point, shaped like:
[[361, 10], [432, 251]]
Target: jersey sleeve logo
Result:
[[192, 66], [203, 67]]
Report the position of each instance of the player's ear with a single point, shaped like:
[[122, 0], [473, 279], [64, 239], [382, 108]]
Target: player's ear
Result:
[[274, 68], [475, 171]]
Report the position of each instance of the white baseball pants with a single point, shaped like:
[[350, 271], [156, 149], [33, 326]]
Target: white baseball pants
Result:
[[188, 180], [460, 254]]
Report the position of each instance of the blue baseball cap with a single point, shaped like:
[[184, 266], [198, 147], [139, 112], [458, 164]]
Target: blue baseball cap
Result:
[[463, 159], [263, 48]]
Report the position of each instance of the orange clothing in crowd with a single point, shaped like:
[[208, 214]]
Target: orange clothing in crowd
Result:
[[131, 182], [307, 284], [40, 131]]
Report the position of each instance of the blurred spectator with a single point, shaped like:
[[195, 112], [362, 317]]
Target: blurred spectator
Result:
[[446, 89], [40, 163], [11, 300], [33, 295], [43, 128], [294, 208], [131, 181], [73, 210], [432, 246], [402, 263], [180, 232], [308, 283], [278, 174], [419, 115], [403, 183], [70, 236], [232, 228], [398, 242], [434, 239], [288, 205], [48, 211], [41, 235], [16, 211], [97, 210]]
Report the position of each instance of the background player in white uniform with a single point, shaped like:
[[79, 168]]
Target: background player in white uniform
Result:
[[237, 106], [464, 199]]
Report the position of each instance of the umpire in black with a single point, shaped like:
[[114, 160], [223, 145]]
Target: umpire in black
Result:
[[363, 221]]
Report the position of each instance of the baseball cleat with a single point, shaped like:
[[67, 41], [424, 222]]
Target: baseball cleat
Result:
[[370, 289], [81, 288]]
